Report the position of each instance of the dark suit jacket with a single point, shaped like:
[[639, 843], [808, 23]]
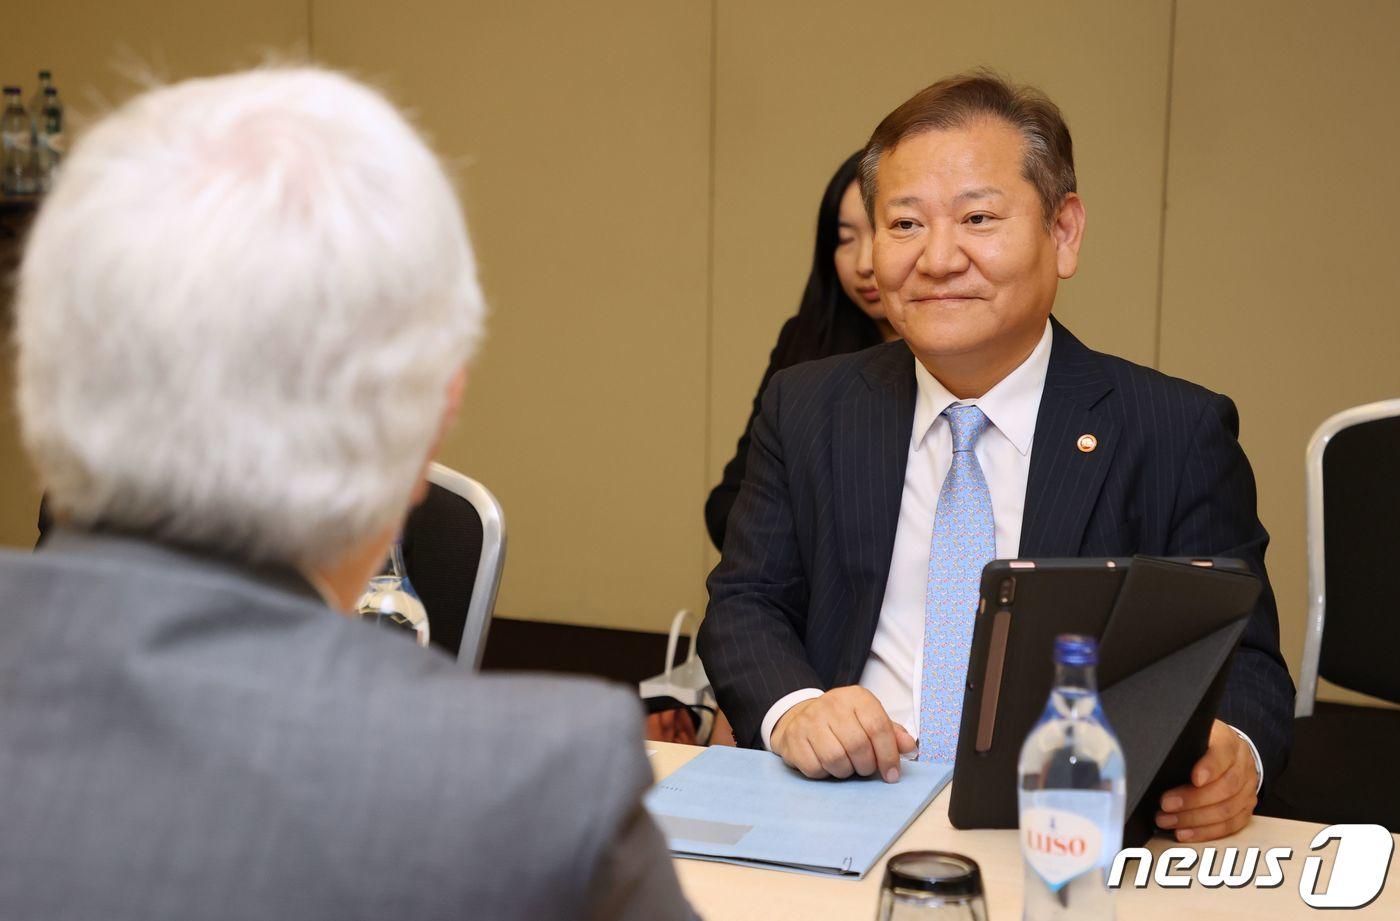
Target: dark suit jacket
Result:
[[796, 597], [182, 737]]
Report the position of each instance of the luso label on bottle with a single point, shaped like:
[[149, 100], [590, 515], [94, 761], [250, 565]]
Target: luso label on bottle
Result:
[[1065, 833]]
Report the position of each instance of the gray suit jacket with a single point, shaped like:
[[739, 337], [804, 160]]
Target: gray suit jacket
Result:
[[186, 738]]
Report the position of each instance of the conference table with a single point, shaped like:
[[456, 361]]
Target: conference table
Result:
[[724, 892]]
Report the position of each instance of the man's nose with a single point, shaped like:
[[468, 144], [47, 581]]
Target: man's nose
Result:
[[943, 254]]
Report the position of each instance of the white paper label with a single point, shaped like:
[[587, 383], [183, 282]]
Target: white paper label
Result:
[[1060, 844]]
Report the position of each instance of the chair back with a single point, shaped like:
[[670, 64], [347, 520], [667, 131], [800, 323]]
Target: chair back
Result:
[[454, 546], [1353, 485]]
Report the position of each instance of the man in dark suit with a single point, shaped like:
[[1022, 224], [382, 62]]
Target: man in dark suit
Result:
[[880, 483], [244, 313]]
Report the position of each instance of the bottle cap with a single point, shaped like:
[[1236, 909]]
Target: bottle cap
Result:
[[50, 91], [11, 90], [44, 74], [1075, 649], [939, 872]]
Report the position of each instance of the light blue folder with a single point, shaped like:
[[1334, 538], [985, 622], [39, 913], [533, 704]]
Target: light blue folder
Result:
[[747, 807]]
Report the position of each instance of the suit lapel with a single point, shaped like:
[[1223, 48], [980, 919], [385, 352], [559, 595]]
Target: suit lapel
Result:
[[869, 452], [1065, 480]]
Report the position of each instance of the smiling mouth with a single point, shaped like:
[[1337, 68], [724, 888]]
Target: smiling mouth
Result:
[[946, 297], [870, 294]]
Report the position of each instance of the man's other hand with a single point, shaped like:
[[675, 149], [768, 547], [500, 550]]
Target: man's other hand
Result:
[[845, 731], [1221, 796]]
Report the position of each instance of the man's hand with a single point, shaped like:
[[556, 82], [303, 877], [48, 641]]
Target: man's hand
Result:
[[1221, 796], [845, 731]]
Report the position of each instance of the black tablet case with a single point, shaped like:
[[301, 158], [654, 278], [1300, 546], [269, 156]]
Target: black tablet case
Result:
[[1167, 630]]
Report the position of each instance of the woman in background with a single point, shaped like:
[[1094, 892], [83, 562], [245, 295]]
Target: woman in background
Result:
[[840, 312]]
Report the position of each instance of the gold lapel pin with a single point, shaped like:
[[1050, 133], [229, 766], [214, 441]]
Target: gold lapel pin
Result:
[[1087, 443]]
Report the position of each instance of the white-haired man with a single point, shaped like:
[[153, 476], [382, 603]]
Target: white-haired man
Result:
[[242, 321]]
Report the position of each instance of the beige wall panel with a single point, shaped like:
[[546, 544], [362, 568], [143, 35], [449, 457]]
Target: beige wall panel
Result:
[[19, 493], [93, 48], [801, 84], [1281, 234], [581, 133]]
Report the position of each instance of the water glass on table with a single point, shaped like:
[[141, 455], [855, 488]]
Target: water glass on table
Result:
[[385, 602], [931, 886]]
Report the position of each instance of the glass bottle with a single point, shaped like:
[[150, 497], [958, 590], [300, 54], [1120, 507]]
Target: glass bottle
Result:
[[1071, 792], [36, 102], [16, 135], [49, 142]]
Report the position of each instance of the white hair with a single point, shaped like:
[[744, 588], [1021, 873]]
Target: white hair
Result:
[[239, 312]]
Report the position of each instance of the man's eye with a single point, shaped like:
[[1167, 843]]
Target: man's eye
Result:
[[978, 220], [904, 225]]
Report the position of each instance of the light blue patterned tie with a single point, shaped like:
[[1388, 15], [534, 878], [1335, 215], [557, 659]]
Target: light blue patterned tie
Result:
[[964, 540]]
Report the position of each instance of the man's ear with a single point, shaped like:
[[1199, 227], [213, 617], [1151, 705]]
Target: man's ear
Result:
[[1068, 232], [455, 387]]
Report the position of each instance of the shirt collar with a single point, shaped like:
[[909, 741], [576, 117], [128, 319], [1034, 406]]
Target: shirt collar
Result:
[[1012, 405]]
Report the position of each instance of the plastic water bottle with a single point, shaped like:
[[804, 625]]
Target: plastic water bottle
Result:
[[36, 102], [1072, 789], [49, 143], [15, 130]]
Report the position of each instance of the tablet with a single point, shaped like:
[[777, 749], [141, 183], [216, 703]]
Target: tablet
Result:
[[1167, 630]]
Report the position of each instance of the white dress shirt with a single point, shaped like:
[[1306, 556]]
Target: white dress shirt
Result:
[[896, 663], [895, 666]]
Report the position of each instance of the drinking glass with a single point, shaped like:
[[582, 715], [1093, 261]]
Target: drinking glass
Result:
[[386, 602], [931, 886]]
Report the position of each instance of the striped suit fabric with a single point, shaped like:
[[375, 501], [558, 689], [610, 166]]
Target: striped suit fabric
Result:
[[795, 599]]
